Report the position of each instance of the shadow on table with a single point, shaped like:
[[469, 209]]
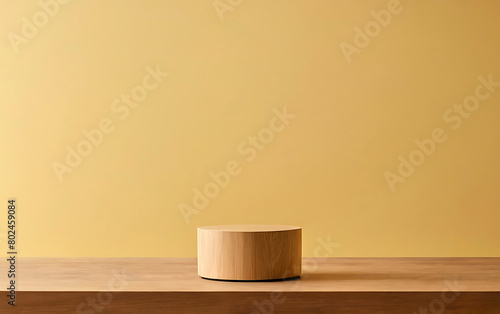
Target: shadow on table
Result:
[[320, 276]]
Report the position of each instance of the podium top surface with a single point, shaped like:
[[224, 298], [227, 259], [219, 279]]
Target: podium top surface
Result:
[[250, 228]]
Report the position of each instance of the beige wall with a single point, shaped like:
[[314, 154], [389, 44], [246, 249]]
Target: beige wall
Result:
[[355, 104]]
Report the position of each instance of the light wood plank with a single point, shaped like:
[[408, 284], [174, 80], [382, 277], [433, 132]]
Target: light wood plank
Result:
[[318, 274]]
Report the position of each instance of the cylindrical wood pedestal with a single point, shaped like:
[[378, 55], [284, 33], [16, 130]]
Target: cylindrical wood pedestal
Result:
[[249, 252]]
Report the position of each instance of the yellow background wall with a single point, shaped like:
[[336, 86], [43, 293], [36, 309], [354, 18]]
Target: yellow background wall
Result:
[[228, 71]]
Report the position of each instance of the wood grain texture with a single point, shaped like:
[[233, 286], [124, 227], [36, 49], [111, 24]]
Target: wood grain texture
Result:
[[328, 285], [249, 252], [255, 303]]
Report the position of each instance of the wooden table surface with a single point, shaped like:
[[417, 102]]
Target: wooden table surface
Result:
[[341, 285]]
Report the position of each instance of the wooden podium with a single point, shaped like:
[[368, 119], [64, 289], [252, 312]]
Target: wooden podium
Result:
[[249, 252]]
